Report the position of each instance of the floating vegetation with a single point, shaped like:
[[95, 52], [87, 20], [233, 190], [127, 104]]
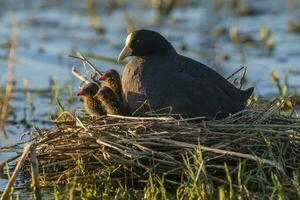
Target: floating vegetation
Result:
[[94, 19], [238, 6], [266, 38], [240, 37], [246, 11], [264, 33], [294, 27], [287, 96], [236, 36], [219, 31], [163, 7]]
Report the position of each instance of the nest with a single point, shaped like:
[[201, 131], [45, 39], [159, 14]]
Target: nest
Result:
[[262, 140]]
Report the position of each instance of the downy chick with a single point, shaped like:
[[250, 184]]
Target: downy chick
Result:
[[112, 80], [91, 105], [110, 101]]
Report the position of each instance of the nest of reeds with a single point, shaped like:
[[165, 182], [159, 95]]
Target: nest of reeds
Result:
[[262, 141]]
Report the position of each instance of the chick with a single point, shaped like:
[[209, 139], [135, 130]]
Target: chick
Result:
[[112, 80], [91, 105], [110, 101]]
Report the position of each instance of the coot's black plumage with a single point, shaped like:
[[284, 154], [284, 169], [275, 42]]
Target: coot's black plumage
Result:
[[159, 74]]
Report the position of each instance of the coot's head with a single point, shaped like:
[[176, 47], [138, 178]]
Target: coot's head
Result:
[[144, 42], [88, 90]]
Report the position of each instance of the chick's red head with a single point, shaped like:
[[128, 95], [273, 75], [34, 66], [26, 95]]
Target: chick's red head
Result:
[[110, 75], [89, 90]]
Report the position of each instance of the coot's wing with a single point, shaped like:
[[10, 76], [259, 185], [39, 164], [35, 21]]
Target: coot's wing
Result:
[[201, 71]]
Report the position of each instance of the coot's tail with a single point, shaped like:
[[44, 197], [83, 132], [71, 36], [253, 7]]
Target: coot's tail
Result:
[[247, 93]]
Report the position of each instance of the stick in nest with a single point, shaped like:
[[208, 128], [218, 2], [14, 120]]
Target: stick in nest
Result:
[[95, 72], [13, 177], [79, 76]]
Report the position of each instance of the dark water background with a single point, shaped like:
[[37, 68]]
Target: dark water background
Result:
[[48, 31]]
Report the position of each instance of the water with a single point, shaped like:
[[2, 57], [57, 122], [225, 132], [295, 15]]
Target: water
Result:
[[48, 31]]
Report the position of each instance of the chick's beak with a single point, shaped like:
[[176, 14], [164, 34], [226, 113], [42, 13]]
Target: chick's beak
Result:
[[126, 51], [103, 78], [81, 93]]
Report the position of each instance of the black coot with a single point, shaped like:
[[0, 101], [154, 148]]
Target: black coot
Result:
[[158, 74]]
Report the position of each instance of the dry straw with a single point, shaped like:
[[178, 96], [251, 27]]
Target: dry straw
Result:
[[83, 149], [138, 146]]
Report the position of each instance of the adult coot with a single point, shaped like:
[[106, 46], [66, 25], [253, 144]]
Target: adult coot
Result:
[[158, 74]]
